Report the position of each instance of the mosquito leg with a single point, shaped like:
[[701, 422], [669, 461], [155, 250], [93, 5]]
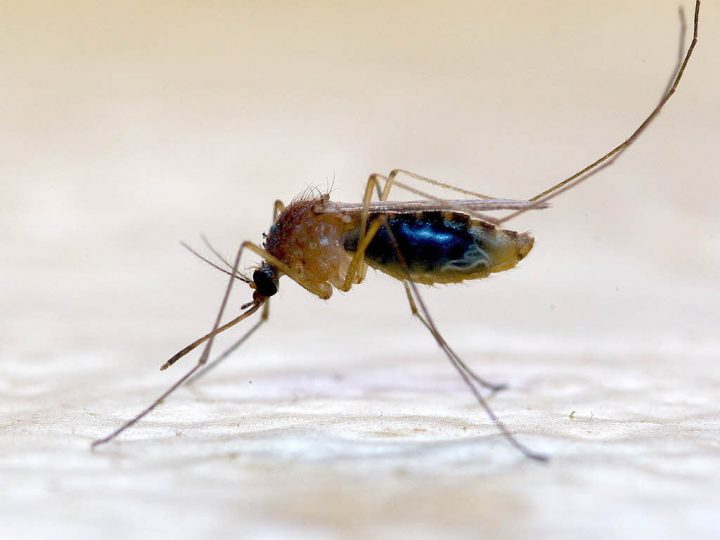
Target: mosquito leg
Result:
[[682, 36], [437, 183], [321, 290], [362, 270], [314, 288], [574, 179], [209, 338], [419, 305], [391, 181], [493, 387], [356, 270], [317, 289], [278, 208], [466, 376]]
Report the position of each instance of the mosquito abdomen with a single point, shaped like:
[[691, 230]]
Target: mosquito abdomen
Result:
[[441, 247]]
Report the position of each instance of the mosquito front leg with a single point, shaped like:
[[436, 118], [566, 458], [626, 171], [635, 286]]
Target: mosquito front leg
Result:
[[208, 338], [281, 267], [356, 270], [278, 208], [321, 290]]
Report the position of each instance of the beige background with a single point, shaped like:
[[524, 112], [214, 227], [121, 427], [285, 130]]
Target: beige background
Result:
[[127, 127]]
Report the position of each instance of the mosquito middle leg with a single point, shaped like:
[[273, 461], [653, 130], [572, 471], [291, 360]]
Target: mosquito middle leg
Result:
[[356, 270], [494, 387], [418, 305]]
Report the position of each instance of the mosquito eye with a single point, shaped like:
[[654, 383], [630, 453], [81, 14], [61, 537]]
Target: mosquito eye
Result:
[[265, 279]]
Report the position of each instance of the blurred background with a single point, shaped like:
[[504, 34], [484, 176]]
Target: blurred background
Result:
[[128, 127]]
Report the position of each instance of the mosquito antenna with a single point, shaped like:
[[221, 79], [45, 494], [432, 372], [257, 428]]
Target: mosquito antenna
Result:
[[215, 251], [191, 250], [573, 180]]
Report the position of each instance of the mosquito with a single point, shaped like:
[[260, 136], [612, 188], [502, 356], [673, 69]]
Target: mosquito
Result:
[[324, 245]]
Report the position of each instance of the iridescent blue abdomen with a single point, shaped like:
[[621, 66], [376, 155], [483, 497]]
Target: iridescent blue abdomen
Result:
[[425, 243], [439, 247]]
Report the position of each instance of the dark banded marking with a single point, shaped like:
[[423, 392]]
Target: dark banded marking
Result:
[[428, 243]]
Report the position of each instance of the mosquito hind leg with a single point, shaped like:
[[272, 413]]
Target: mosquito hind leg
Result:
[[493, 387], [392, 181], [606, 159]]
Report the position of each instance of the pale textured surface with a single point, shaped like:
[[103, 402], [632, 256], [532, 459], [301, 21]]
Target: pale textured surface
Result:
[[127, 128]]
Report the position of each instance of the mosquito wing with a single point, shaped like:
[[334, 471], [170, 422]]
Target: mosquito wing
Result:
[[468, 206]]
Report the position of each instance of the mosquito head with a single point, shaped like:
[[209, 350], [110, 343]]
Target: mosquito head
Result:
[[265, 280]]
